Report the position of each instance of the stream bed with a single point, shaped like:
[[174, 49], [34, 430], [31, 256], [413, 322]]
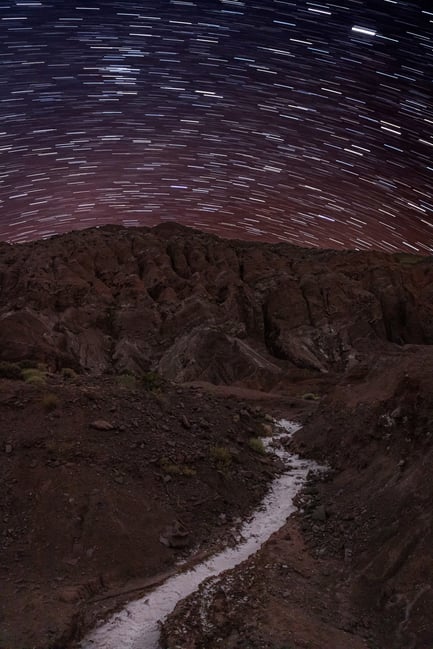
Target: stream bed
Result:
[[137, 625]]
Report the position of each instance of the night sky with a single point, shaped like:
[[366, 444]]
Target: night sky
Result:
[[307, 122]]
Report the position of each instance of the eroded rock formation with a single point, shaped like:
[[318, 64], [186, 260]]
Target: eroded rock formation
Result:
[[196, 307]]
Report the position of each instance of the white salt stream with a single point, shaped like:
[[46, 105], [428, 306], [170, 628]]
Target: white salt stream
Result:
[[137, 625]]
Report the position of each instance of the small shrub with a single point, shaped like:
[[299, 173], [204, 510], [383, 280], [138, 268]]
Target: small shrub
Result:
[[256, 445], [50, 402], [152, 381], [222, 456], [68, 373], [32, 372], [188, 471], [37, 381], [310, 396], [127, 381], [170, 468], [10, 371]]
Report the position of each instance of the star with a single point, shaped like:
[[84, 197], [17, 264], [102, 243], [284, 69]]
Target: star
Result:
[[307, 122]]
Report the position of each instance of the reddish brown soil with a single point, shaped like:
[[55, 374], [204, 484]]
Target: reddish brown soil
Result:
[[341, 340], [82, 510], [354, 568]]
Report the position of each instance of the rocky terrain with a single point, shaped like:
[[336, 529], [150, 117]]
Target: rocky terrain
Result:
[[353, 569], [105, 485], [135, 368], [195, 307]]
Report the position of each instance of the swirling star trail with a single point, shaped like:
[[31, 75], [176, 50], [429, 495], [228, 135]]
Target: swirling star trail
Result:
[[307, 122]]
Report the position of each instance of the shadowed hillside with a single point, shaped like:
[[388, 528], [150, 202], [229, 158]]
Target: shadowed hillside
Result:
[[195, 307], [138, 370]]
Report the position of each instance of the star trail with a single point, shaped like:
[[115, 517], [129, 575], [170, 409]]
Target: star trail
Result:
[[306, 122]]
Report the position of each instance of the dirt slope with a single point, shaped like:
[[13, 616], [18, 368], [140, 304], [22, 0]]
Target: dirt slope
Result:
[[107, 477], [104, 487], [354, 568]]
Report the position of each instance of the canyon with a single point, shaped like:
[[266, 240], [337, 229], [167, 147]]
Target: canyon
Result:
[[137, 366]]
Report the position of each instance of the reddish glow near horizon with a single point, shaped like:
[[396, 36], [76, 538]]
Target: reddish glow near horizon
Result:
[[306, 122]]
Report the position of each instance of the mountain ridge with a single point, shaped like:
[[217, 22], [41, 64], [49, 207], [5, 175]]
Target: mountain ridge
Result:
[[115, 299]]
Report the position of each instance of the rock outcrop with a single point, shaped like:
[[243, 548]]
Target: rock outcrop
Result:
[[195, 307]]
